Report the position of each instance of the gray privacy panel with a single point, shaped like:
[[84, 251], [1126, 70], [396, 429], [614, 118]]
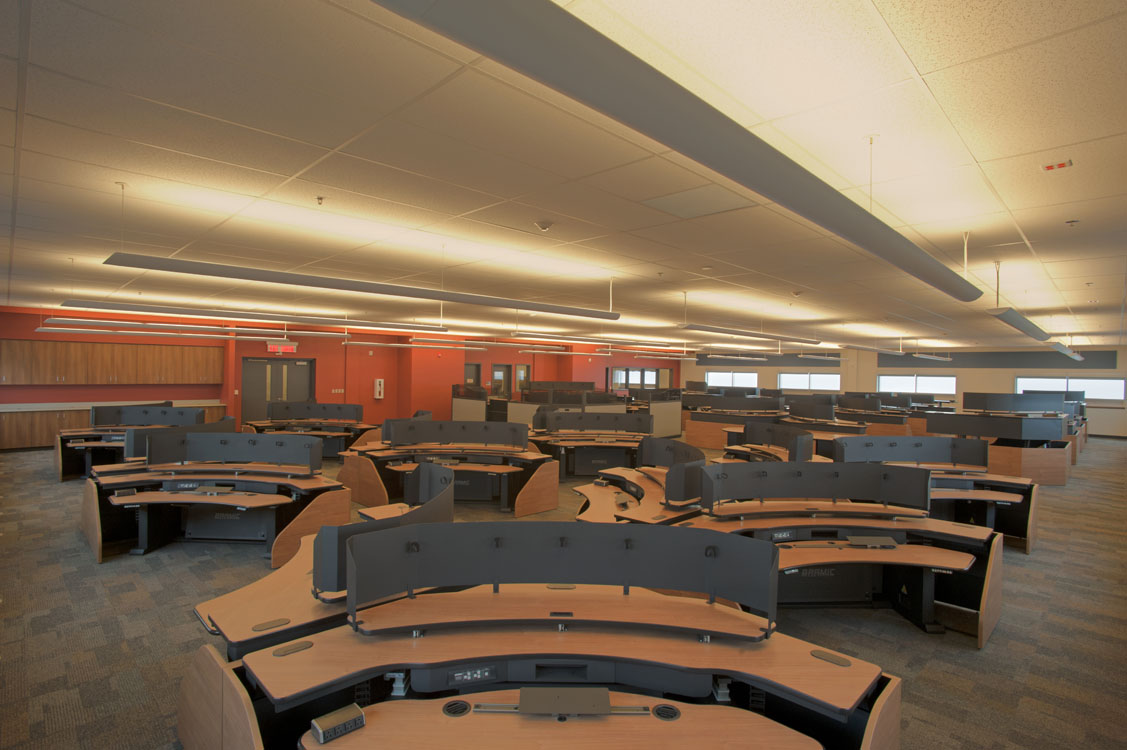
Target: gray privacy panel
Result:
[[414, 431], [860, 403], [723, 566], [1066, 395], [682, 481], [809, 398], [798, 442], [914, 449], [593, 421], [1012, 428], [300, 450], [1013, 401], [329, 563], [667, 452], [731, 403], [308, 410], [894, 485], [137, 438], [807, 410], [142, 414]]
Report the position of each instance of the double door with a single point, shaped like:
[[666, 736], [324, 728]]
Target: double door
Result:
[[268, 380]]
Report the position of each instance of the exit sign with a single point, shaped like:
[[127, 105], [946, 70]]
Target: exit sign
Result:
[[281, 347]]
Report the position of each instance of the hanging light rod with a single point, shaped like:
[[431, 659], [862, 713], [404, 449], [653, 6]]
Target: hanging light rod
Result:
[[1013, 318], [563, 354], [703, 358], [822, 357], [746, 334], [874, 349], [131, 307], [241, 273], [162, 334], [526, 336], [935, 357], [1066, 351], [183, 327], [664, 357], [384, 345], [545, 347]]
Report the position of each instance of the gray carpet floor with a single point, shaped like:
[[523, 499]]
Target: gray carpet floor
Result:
[[91, 655]]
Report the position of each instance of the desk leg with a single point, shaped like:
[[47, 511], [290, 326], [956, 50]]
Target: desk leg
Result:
[[157, 525], [88, 459], [503, 493], [911, 591]]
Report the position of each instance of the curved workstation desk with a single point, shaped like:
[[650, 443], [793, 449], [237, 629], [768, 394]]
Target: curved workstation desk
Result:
[[211, 486], [491, 462], [663, 489], [79, 449], [881, 418], [962, 489], [707, 415], [542, 635], [337, 425], [1020, 446], [586, 442], [820, 418], [762, 441]]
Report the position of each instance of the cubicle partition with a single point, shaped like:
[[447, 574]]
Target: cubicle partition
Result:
[[137, 438], [79, 449], [417, 432], [295, 410], [767, 441], [934, 452], [1029, 402]]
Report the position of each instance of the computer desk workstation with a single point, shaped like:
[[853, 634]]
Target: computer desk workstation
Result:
[[491, 462], [1021, 446], [338, 425], [79, 449], [472, 625], [585, 442], [848, 533], [212, 486], [707, 415]]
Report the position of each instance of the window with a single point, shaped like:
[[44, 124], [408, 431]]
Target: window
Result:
[[942, 385], [726, 379], [621, 378], [1106, 389], [807, 381]]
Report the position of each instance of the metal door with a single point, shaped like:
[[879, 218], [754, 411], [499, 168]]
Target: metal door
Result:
[[266, 380]]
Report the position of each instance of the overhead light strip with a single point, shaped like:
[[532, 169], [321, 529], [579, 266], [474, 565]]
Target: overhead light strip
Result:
[[567, 338], [746, 334], [564, 354], [271, 317], [161, 334], [822, 357], [545, 347], [934, 357], [874, 349], [282, 332], [704, 358], [1066, 351], [411, 346], [242, 273], [1014, 319]]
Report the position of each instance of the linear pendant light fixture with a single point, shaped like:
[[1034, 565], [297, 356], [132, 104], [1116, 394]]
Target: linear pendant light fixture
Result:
[[935, 357], [874, 349], [746, 334], [1067, 351], [162, 334], [278, 332], [563, 354], [822, 357], [1010, 316], [383, 345], [131, 307], [241, 273], [545, 347]]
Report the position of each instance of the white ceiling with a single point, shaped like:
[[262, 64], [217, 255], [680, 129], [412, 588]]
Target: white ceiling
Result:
[[227, 119]]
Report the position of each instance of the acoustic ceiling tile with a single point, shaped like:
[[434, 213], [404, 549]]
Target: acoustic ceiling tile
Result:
[[649, 178], [522, 218], [1097, 171], [955, 193], [598, 207]]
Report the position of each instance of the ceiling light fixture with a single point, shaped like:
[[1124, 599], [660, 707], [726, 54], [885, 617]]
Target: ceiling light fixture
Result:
[[563, 354], [525, 336], [936, 357], [1066, 351], [704, 358], [546, 347], [383, 345], [874, 349], [746, 334], [822, 357], [221, 314], [162, 334], [1010, 316], [241, 273], [550, 45], [184, 327]]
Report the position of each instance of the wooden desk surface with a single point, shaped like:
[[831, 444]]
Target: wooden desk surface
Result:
[[422, 724], [192, 467], [818, 553], [384, 511], [316, 482], [81, 443], [341, 656], [283, 594], [439, 447], [230, 499], [465, 466], [798, 506], [1001, 479], [990, 496], [584, 605], [651, 506], [926, 526]]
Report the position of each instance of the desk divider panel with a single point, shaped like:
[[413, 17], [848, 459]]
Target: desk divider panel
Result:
[[808, 410], [414, 431], [683, 481], [310, 410], [823, 399], [141, 414], [404, 560], [933, 449], [137, 438], [300, 450], [594, 421], [798, 442], [731, 403], [860, 403], [893, 485], [437, 506], [1066, 395], [982, 425], [655, 451], [1019, 402]]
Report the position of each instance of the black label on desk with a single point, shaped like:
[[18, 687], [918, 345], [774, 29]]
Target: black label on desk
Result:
[[185, 485], [472, 674], [818, 572], [780, 536]]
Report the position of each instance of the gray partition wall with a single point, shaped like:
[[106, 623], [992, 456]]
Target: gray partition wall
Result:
[[595, 421], [1017, 402], [137, 438], [414, 431], [405, 560], [809, 410], [146, 414], [1010, 428], [297, 450], [310, 410], [657, 451], [860, 403], [893, 485], [798, 442], [731, 403], [932, 449]]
